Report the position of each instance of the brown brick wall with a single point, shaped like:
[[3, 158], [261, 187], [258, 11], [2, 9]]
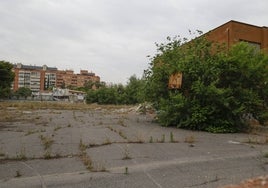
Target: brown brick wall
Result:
[[233, 32]]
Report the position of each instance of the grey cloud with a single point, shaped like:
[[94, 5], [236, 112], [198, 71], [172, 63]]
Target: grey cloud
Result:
[[109, 37]]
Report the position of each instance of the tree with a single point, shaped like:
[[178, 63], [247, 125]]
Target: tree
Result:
[[219, 87], [132, 93], [23, 92], [135, 90], [6, 78]]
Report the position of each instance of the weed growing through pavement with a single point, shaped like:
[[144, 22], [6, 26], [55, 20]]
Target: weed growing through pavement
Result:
[[163, 138], [82, 146], [121, 122], [257, 140], [87, 161], [126, 154], [57, 128], [22, 154], [47, 154], [18, 174], [126, 170], [122, 134], [190, 139], [265, 155], [31, 132], [151, 139], [107, 141], [140, 139], [46, 141], [171, 136], [84, 157]]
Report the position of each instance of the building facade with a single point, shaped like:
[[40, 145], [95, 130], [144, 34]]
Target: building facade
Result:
[[40, 78], [68, 78], [234, 31], [36, 78]]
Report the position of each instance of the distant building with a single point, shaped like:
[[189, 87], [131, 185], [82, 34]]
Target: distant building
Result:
[[37, 78], [40, 78], [234, 31], [68, 78]]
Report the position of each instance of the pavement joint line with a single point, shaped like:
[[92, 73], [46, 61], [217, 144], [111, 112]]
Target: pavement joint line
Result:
[[185, 160], [40, 177], [144, 170]]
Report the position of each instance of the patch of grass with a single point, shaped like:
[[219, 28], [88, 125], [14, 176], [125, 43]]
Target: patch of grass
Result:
[[126, 170], [151, 139], [82, 146], [30, 132], [171, 137], [121, 122], [47, 155], [22, 154], [163, 138], [257, 140], [111, 128], [265, 155], [46, 141], [190, 139], [87, 161], [57, 128], [122, 134], [107, 141], [18, 174]]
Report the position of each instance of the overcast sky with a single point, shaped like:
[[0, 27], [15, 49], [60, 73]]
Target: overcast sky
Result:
[[111, 38]]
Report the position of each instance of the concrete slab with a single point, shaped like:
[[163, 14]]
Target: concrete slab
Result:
[[52, 148]]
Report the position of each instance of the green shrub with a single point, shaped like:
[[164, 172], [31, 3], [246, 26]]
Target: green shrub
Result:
[[220, 88]]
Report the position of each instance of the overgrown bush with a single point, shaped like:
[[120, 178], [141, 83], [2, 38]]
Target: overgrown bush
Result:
[[132, 93], [220, 87]]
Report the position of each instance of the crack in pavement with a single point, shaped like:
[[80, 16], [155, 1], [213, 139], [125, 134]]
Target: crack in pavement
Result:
[[40, 177]]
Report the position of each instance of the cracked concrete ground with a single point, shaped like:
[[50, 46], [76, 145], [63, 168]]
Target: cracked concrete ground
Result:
[[104, 146]]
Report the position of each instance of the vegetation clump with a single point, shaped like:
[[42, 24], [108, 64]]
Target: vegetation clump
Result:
[[221, 88]]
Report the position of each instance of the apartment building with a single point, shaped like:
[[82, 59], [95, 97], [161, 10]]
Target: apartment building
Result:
[[68, 78], [36, 78], [40, 78], [234, 31]]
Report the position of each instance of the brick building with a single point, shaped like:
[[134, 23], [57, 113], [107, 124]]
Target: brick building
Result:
[[234, 31], [40, 78], [37, 78], [68, 78]]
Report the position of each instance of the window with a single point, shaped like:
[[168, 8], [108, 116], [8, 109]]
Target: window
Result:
[[256, 45]]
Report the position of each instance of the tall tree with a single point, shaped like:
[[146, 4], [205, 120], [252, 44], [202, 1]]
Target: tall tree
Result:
[[6, 78]]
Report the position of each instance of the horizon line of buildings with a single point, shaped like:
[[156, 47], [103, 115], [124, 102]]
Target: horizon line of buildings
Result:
[[41, 78]]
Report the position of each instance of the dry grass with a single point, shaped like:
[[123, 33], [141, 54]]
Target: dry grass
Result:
[[47, 141], [259, 140], [190, 139], [33, 105]]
